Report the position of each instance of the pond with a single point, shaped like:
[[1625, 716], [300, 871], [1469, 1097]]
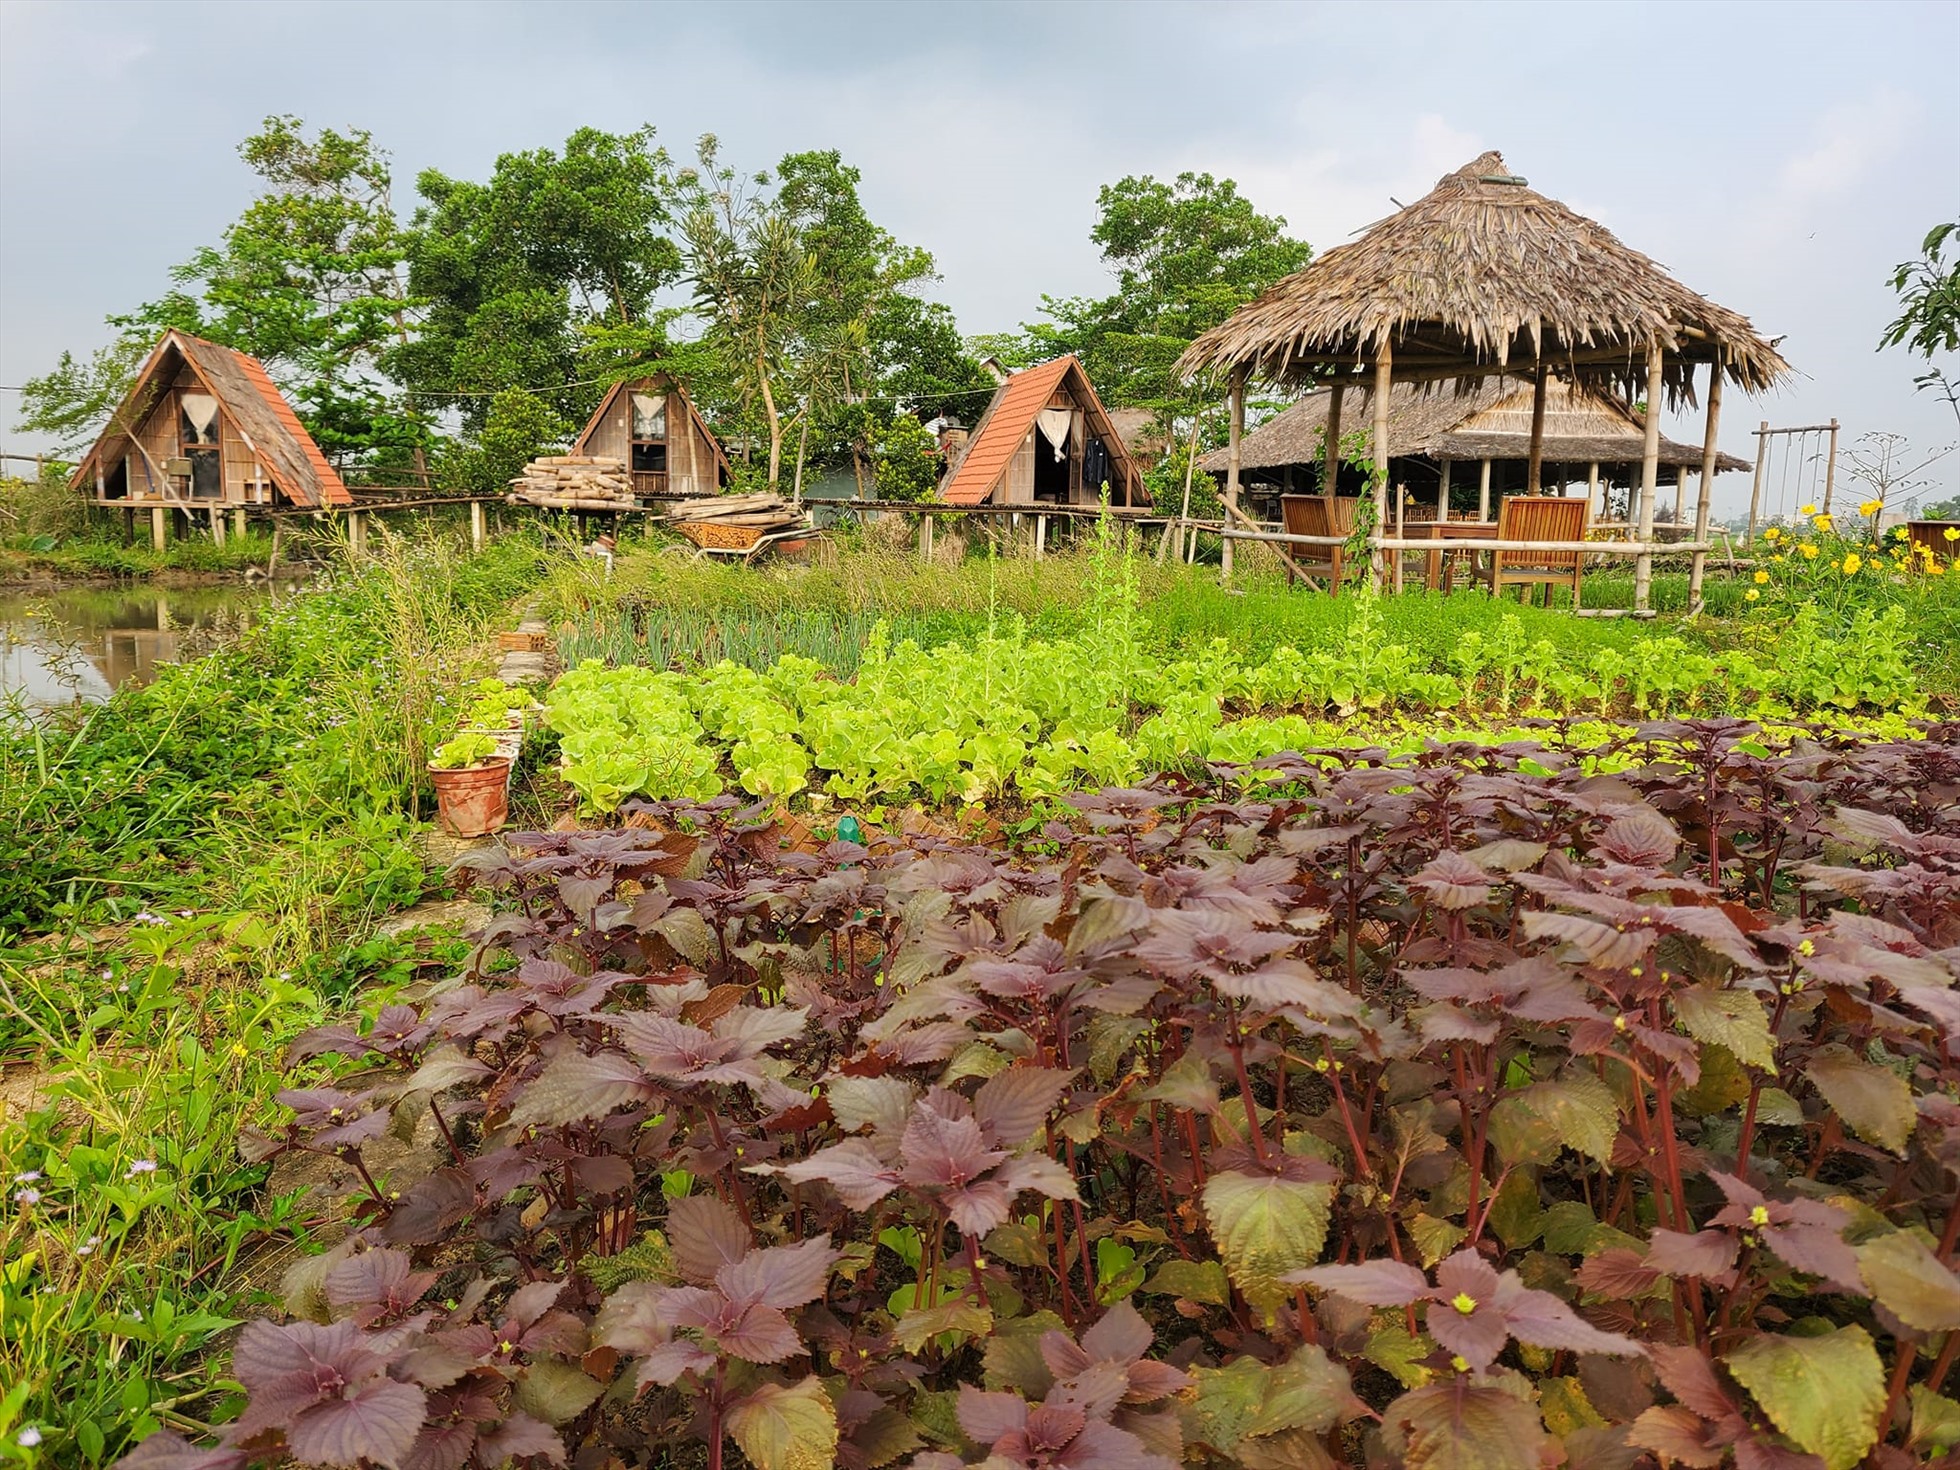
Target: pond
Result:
[[82, 643]]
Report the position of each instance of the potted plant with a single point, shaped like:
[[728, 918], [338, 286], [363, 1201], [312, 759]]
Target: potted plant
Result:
[[472, 780]]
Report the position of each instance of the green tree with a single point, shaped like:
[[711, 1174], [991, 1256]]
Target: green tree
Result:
[[1929, 308], [520, 275]]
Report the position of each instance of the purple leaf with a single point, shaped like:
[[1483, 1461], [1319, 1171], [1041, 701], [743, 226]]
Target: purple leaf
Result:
[[852, 1168], [532, 1300], [521, 1437], [979, 1207], [166, 1451], [783, 1275], [1122, 1336], [1542, 1320], [380, 1278], [989, 1418], [1705, 1253], [1011, 1106], [705, 1235], [1452, 881], [1039, 1173], [1476, 1335], [431, 1208], [576, 1085], [1373, 1284], [944, 1151], [378, 1422]]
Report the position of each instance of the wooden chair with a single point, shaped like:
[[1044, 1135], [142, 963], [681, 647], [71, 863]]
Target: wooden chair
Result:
[[1540, 518], [1318, 515]]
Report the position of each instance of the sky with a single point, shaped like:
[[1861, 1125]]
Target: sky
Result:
[[1780, 159]]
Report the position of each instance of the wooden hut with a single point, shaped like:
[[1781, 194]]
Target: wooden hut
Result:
[[1454, 452], [1045, 439], [651, 426], [1483, 276], [204, 430]]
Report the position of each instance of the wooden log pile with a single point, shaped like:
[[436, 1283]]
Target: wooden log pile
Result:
[[574, 482], [761, 513]]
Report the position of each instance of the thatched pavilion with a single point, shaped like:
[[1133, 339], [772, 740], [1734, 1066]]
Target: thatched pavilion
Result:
[[1483, 276]]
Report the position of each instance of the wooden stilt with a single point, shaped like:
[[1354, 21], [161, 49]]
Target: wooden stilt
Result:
[[1535, 463], [925, 538], [1650, 466], [1235, 432], [1830, 468], [217, 525], [1756, 484], [478, 531], [1680, 492], [1330, 466], [1041, 537], [357, 534], [159, 527], [1384, 375], [1704, 499], [238, 521], [1443, 492], [1483, 493]]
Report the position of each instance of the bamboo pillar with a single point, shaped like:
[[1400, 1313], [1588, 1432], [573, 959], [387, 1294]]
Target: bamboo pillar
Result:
[[1593, 497], [159, 527], [1830, 468], [1756, 483], [1443, 493], [1401, 502], [1483, 493], [1705, 499], [238, 521], [1384, 380], [478, 531], [925, 538], [1680, 491], [357, 534], [1041, 536], [1330, 463], [1650, 468], [1534, 465], [1233, 458]]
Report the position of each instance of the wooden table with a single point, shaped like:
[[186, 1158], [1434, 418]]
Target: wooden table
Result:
[[1440, 565]]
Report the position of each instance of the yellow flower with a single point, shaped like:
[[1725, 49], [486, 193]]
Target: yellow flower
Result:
[[1779, 557], [1808, 510], [1809, 550], [1761, 576], [1822, 523], [1771, 534], [1751, 595], [1951, 533], [1870, 507], [1852, 563]]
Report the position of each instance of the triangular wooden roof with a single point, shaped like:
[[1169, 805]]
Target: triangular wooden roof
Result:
[[1492, 420], [1011, 414], [664, 384], [248, 397]]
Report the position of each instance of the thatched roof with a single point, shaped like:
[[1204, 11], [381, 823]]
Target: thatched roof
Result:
[[1479, 274], [1492, 420]]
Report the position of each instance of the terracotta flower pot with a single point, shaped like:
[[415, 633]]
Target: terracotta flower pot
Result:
[[473, 801]]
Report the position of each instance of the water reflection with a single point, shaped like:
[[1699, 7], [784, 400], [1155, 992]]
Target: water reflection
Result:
[[82, 643]]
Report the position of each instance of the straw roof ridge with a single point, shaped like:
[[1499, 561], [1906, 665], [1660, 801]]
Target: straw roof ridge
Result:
[[1479, 274]]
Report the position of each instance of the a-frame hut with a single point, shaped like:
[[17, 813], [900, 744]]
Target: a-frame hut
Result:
[[1457, 453], [205, 429], [1045, 439], [651, 426]]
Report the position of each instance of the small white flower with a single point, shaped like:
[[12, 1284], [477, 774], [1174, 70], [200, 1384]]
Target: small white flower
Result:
[[27, 1177], [28, 1437], [183, 913], [141, 1166], [27, 1196], [108, 974]]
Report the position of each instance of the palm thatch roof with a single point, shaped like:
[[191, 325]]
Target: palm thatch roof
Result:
[[1491, 420], [1480, 274]]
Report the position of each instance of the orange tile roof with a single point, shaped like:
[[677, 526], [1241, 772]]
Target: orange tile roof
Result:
[[332, 490], [1009, 418]]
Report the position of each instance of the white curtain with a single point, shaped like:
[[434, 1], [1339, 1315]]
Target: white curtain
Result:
[[202, 411], [649, 415], [1055, 424]]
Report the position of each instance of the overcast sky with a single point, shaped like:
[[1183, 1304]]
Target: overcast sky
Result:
[[1779, 158]]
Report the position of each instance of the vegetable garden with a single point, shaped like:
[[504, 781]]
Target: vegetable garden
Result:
[[1040, 1016]]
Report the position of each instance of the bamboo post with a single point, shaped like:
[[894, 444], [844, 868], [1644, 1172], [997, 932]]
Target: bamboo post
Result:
[[357, 534], [1680, 491], [1233, 455], [1483, 493], [1401, 502], [1040, 537], [1756, 484], [1384, 380], [1593, 496], [478, 531], [1330, 465], [1184, 532], [1705, 497], [1443, 493], [159, 529], [1830, 468], [217, 525], [925, 538], [1650, 468], [1535, 464], [238, 522]]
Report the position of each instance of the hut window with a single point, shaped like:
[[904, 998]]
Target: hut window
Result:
[[200, 426], [199, 431], [649, 433]]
